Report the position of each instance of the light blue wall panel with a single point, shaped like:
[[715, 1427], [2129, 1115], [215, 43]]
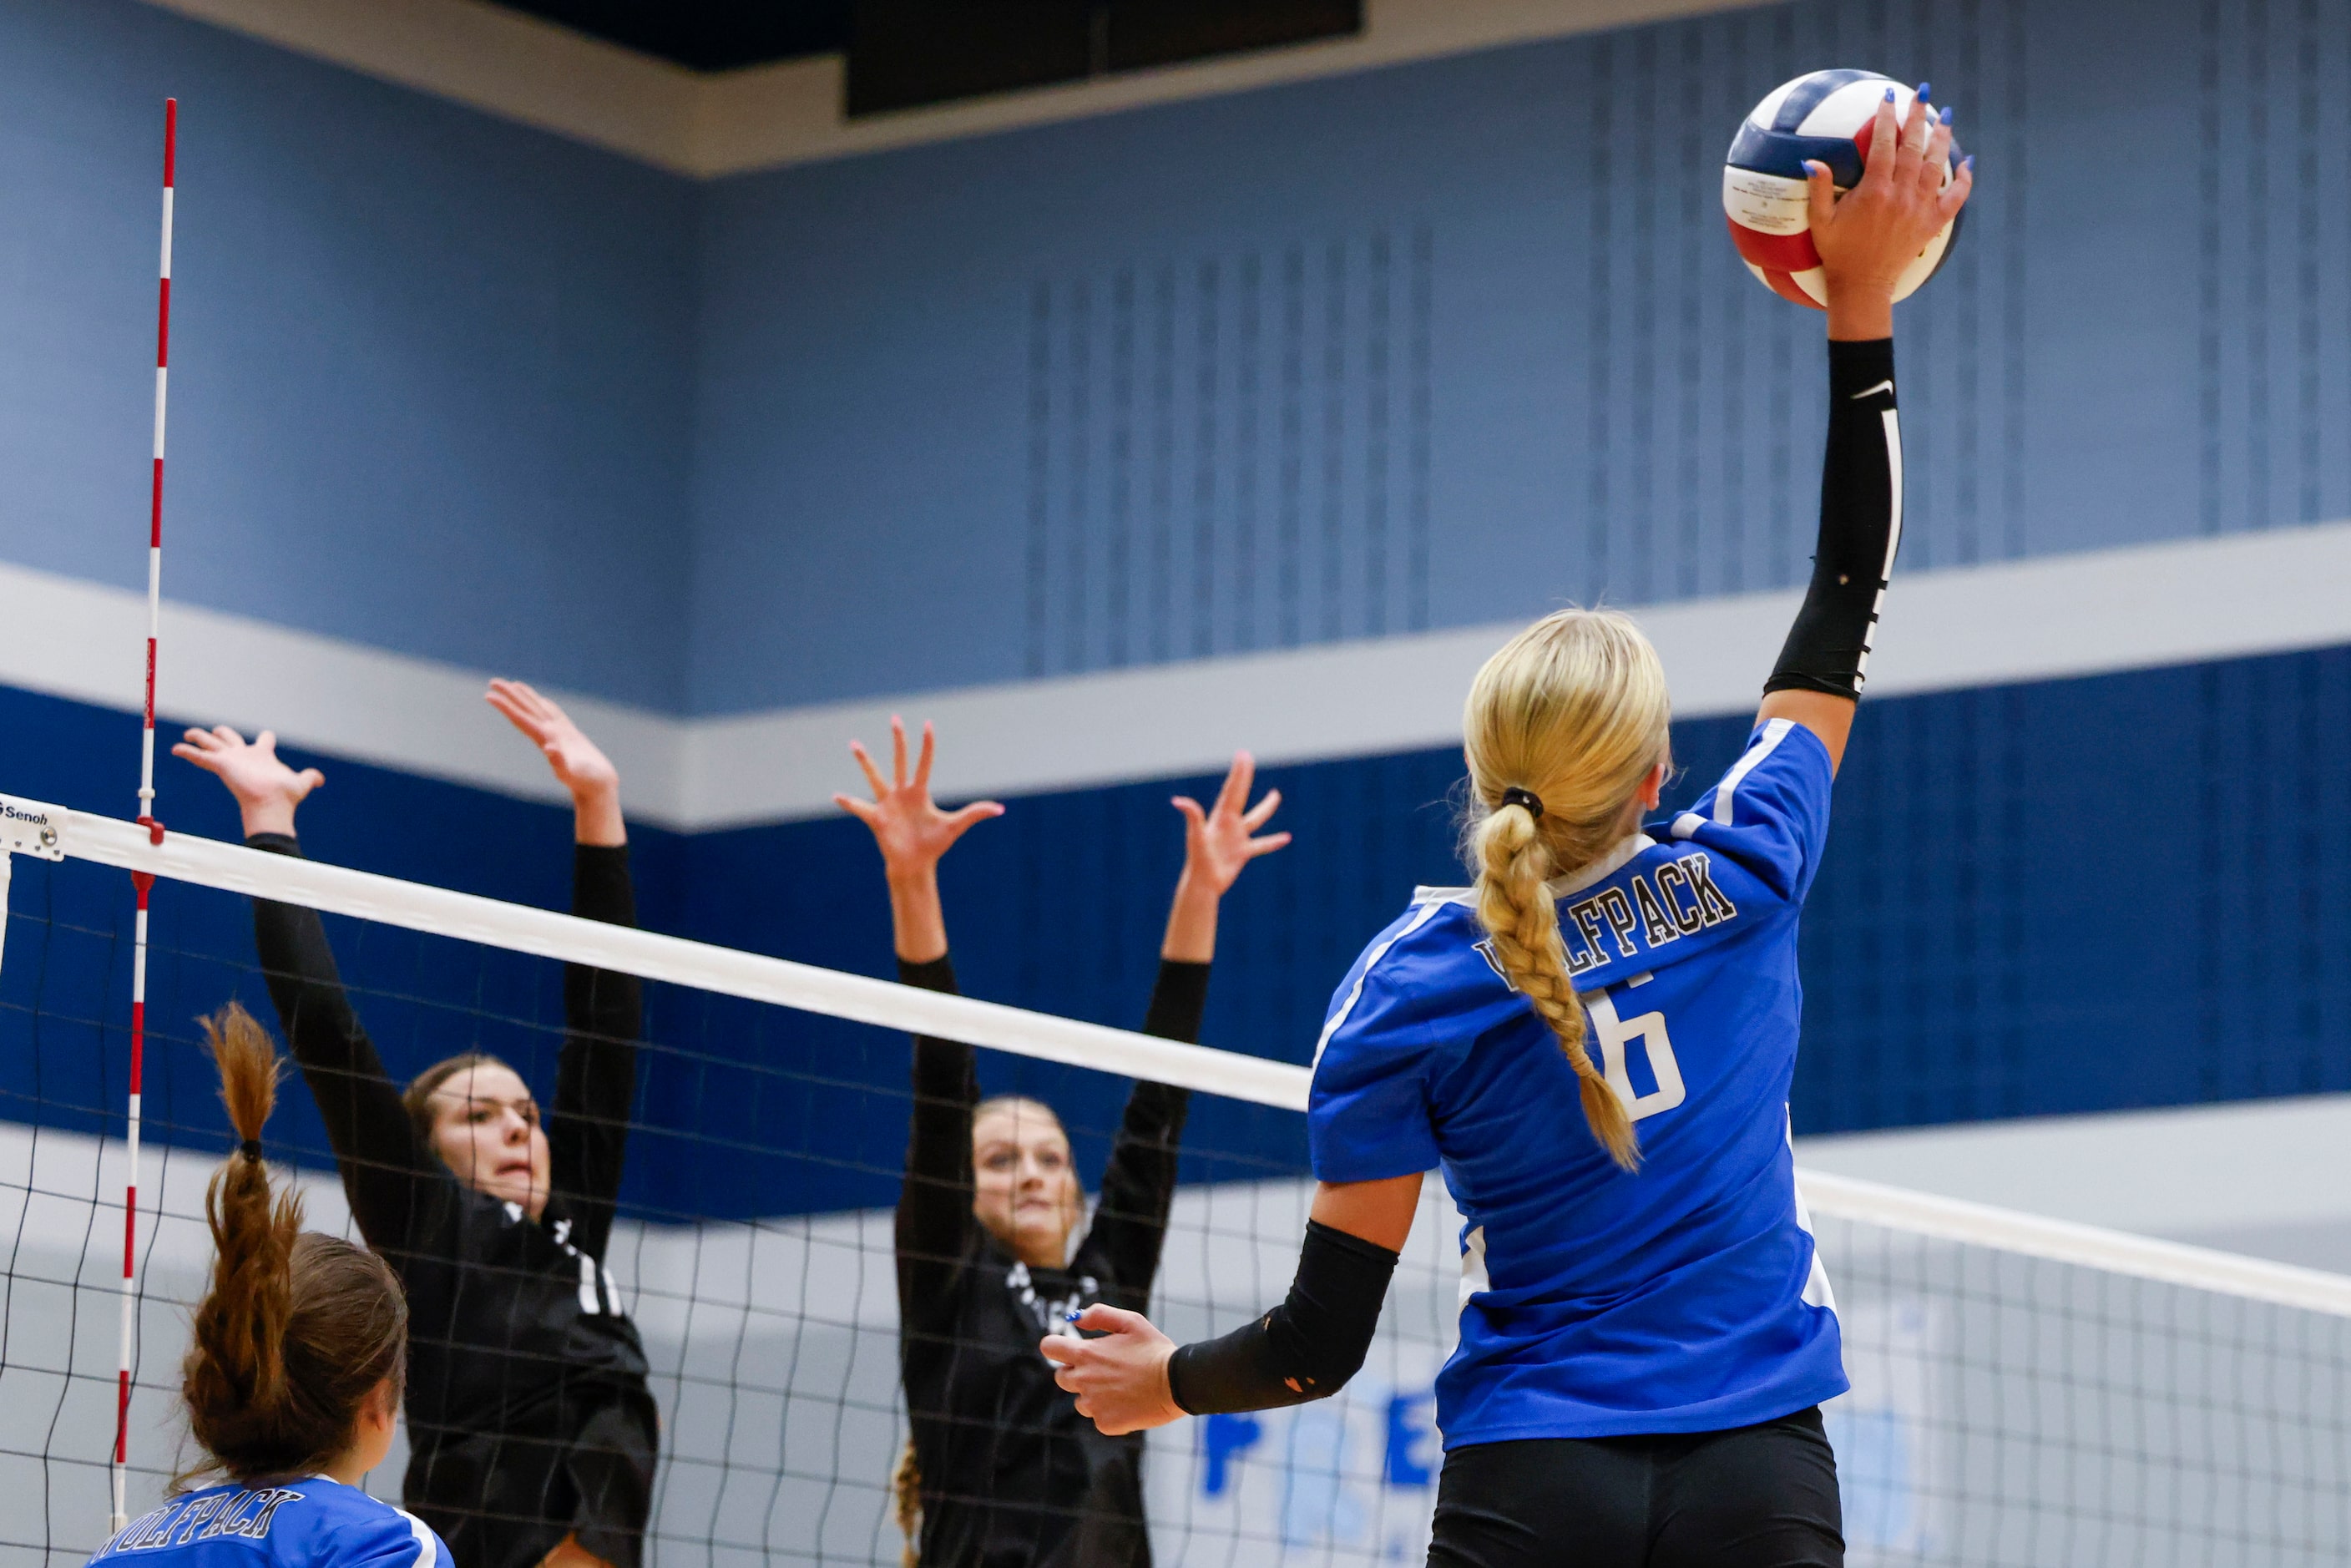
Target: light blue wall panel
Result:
[[431, 383], [1456, 341]]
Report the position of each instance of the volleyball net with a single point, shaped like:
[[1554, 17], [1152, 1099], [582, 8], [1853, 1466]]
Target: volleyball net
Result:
[[2025, 1391]]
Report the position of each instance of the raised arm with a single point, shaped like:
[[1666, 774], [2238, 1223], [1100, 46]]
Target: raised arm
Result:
[[1131, 1221], [935, 1220], [596, 1079], [1865, 239], [398, 1191]]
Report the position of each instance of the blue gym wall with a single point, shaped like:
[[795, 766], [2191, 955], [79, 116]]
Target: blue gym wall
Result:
[[1441, 344], [432, 376]]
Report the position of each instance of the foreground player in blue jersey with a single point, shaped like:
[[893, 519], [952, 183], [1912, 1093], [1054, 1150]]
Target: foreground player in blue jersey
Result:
[[292, 1380], [1595, 1043]]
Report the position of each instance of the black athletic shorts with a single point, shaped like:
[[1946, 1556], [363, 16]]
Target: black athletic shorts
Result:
[[1754, 1497]]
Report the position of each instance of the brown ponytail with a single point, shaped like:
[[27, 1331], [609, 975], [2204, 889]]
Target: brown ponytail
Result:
[[298, 1328], [906, 1487], [1573, 712]]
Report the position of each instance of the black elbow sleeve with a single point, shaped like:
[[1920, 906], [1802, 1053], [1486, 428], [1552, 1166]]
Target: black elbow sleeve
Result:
[[1307, 1348], [1861, 526]]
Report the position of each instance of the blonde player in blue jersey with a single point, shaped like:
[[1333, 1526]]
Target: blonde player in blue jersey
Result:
[[1595, 1043], [292, 1379]]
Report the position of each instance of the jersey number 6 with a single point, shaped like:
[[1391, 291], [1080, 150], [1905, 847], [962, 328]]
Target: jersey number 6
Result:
[[1615, 1034]]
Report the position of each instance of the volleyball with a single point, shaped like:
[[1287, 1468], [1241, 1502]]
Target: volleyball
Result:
[[1828, 117]]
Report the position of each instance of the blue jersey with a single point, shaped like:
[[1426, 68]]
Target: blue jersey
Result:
[[309, 1524], [1683, 1298]]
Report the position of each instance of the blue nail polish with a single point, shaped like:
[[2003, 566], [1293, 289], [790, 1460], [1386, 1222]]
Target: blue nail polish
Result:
[[1968, 162], [1889, 95], [1922, 91], [1947, 114], [1070, 1318]]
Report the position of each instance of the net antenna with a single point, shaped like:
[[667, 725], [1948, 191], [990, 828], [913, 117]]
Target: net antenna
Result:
[[143, 882]]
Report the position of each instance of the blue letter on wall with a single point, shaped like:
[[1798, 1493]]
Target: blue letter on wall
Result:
[[1224, 1439], [1407, 1426]]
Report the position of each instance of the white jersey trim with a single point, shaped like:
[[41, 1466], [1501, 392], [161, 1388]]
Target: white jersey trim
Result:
[[1726, 793], [1420, 918], [1816, 1292], [1474, 1278], [1576, 882], [428, 1550]]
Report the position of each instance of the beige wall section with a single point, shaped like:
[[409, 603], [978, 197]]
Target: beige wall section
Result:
[[489, 59], [771, 115]]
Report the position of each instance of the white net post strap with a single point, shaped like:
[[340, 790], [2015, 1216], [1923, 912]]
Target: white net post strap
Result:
[[233, 868]]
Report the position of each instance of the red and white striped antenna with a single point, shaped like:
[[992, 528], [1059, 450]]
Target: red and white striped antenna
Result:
[[142, 881]]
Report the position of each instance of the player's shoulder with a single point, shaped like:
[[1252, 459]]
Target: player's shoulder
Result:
[[1432, 946], [1419, 980], [1783, 762], [352, 1527]]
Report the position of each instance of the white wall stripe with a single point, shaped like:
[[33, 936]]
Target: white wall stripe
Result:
[[771, 116], [2046, 619]]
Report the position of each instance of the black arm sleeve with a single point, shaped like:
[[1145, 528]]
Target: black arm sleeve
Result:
[[596, 1080], [398, 1190], [1304, 1349], [933, 1222], [1861, 526], [1131, 1221]]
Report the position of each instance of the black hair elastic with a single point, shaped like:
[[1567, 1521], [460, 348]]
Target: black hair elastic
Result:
[[250, 1149], [1514, 796]]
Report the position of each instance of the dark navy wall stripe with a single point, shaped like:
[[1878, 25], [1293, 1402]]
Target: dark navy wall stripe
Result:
[[2127, 890]]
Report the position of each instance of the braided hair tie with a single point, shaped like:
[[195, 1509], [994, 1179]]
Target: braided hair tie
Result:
[[1514, 796]]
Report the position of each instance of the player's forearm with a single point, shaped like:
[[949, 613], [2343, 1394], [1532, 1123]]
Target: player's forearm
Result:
[[596, 817], [1191, 921], [1828, 648], [918, 921], [1307, 1348]]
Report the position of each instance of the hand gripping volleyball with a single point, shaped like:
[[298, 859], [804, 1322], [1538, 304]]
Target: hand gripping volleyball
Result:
[[1827, 117]]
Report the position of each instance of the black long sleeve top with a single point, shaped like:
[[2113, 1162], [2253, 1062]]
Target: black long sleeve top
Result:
[[1011, 1474], [529, 1414]]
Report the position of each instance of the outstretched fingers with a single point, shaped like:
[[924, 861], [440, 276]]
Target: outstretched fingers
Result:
[[1820, 194], [923, 762], [961, 822], [1955, 196], [1885, 141], [872, 773], [1262, 812], [1935, 160], [1238, 779]]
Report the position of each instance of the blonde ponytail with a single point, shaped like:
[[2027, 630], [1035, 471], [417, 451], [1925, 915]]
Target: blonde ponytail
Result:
[[1572, 712]]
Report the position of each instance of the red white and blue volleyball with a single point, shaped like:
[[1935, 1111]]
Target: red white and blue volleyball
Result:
[[1826, 117]]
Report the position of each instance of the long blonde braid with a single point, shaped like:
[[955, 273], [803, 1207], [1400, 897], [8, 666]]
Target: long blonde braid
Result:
[[1573, 711]]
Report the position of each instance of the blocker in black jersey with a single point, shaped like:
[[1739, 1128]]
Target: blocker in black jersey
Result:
[[1012, 1476], [528, 1417]]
